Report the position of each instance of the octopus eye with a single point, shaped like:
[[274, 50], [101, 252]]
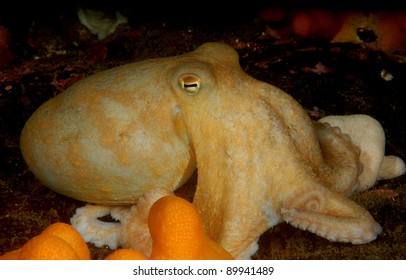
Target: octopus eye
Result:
[[190, 83]]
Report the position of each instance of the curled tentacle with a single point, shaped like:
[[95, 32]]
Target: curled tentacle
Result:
[[341, 156], [368, 134], [131, 229], [93, 230], [331, 216], [135, 232]]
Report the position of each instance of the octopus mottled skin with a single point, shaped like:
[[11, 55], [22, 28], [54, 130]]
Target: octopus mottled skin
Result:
[[118, 134]]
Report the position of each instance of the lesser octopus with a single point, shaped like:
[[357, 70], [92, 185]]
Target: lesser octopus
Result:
[[260, 159]]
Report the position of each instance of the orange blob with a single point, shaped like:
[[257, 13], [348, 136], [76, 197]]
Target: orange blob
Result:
[[71, 236], [47, 247], [177, 232], [60, 241], [387, 29], [316, 24], [12, 255]]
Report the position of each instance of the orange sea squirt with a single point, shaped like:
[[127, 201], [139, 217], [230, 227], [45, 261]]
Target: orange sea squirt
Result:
[[59, 241], [177, 232]]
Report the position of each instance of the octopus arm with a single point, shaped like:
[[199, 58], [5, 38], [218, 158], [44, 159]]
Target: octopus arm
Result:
[[330, 215]]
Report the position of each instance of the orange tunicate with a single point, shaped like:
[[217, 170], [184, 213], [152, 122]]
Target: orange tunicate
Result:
[[177, 232], [59, 241], [47, 247], [71, 236], [316, 24], [12, 255]]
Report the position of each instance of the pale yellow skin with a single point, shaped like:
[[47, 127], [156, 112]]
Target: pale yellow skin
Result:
[[113, 136]]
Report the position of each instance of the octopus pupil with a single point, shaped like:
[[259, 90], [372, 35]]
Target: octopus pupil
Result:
[[190, 85]]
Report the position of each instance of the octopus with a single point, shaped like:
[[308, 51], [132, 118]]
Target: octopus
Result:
[[115, 137]]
